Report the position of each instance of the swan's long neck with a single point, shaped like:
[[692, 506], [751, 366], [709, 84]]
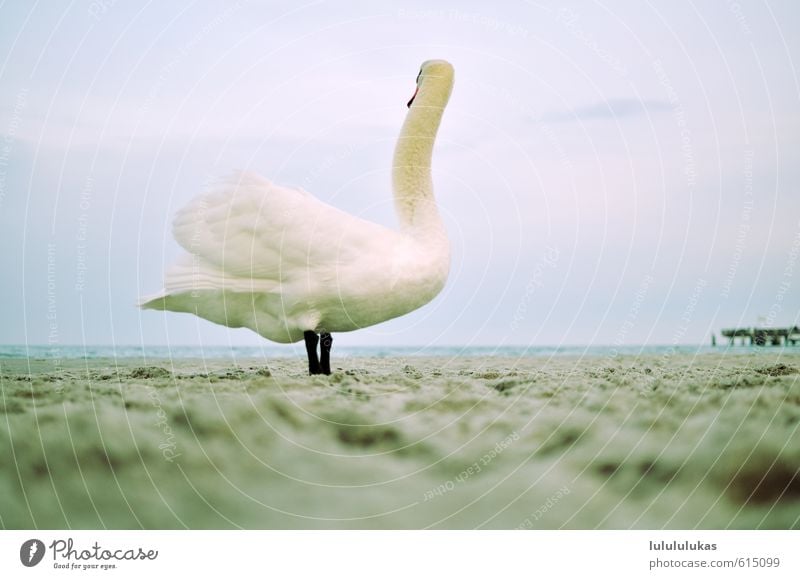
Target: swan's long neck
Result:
[[411, 167]]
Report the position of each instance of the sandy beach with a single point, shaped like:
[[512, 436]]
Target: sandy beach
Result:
[[678, 441]]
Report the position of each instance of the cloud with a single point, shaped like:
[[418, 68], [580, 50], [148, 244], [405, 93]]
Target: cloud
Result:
[[610, 109]]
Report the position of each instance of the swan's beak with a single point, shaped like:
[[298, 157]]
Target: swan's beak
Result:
[[416, 90]]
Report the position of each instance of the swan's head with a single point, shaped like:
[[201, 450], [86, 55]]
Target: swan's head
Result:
[[436, 78]]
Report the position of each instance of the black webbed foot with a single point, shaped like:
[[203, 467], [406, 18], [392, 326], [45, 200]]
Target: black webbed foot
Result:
[[312, 340], [326, 341]]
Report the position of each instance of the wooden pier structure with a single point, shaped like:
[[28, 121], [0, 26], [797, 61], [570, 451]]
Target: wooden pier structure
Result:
[[763, 336]]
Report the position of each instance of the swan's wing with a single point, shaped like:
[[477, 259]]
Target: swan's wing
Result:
[[249, 227]]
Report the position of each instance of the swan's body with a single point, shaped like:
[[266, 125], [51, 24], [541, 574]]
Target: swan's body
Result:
[[283, 263]]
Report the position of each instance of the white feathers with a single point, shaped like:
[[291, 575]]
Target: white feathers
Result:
[[280, 261]]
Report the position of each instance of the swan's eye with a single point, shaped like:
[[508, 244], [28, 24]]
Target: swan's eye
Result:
[[418, 75]]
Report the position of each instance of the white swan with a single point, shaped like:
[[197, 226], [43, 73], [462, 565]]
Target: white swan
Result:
[[288, 266]]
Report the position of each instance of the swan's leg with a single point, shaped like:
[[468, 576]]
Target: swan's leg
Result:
[[311, 349], [326, 341]]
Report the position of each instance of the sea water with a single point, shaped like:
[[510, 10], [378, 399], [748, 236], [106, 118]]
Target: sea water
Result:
[[277, 351]]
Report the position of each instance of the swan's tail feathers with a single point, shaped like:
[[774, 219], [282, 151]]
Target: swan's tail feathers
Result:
[[190, 277], [156, 302], [187, 275], [186, 301]]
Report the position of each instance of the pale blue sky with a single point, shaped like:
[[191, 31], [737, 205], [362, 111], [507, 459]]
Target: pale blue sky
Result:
[[621, 172]]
